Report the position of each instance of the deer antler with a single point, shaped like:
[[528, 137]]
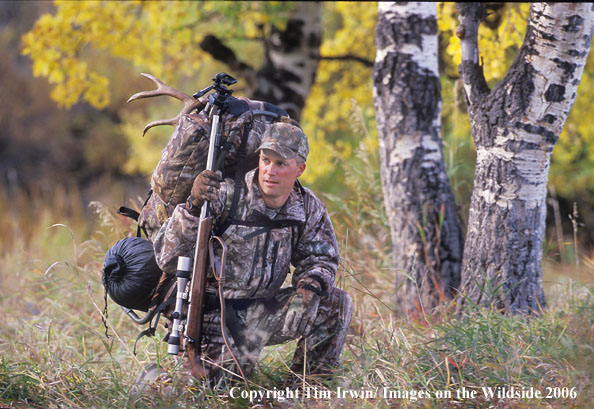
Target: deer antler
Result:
[[163, 89]]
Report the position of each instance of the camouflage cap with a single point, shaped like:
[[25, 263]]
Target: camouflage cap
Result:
[[287, 140]]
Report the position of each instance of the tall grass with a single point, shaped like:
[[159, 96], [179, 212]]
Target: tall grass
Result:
[[54, 352]]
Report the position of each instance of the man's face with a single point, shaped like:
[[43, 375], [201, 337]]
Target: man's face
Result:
[[276, 177]]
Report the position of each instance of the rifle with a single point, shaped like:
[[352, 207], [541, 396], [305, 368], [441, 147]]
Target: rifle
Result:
[[192, 330]]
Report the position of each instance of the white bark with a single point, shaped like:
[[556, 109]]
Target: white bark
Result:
[[423, 54]]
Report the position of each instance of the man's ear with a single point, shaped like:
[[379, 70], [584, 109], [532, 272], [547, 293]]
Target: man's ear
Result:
[[300, 169]]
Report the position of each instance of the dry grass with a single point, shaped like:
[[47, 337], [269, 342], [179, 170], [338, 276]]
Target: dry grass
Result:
[[54, 352]]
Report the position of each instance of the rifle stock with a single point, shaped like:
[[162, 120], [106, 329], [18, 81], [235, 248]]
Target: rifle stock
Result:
[[196, 299]]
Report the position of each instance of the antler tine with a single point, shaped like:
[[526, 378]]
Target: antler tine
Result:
[[163, 89], [196, 103], [172, 122]]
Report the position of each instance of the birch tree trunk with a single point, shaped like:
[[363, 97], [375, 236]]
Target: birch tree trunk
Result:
[[515, 127], [427, 237], [291, 60]]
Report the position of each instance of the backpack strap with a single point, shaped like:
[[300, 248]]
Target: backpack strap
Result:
[[265, 225], [274, 115], [305, 204], [126, 211], [152, 328], [133, 214], [238, 177], [236, 106]]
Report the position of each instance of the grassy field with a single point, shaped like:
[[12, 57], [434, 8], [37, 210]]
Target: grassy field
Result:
[[54, 352]]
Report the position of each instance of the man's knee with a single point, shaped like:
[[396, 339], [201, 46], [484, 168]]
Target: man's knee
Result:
[[338, 300], [336, 307]]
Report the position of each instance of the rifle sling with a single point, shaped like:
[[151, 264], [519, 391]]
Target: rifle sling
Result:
[[133, 214]]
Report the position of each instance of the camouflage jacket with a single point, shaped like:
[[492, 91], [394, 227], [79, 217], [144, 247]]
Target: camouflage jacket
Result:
[[258, 259]]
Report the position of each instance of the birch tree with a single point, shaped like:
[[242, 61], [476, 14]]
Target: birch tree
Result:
[[427, 236], [515, 127]]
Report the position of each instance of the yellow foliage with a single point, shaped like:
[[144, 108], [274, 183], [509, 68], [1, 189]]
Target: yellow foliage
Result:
[[145, 152], [162, 38], [338, 83], [497, 46], [158, 37]]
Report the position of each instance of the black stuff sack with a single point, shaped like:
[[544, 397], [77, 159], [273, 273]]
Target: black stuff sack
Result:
[[130, 273]]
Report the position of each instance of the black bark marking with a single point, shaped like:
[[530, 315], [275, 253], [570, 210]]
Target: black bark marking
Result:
[[519, 146], [419, 26], [549, 37], [530, 51], [409, 31], [281, 94], [573, 24], [314, 40], [524, 87], [421, 90], [539, 14], [555, 93], [289, 39], [550, 136], [548, 118], [576, 53], [509, 99], [567, 67], [290, 76], [473, 74]]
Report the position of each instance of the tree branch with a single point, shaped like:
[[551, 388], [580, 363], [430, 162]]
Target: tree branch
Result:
[[348, 57], [473, 78], [220, 52]]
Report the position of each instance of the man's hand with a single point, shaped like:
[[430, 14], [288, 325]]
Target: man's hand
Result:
[[206, 187], [301, 313]]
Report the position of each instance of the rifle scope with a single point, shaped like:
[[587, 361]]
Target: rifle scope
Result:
[[184, 273]]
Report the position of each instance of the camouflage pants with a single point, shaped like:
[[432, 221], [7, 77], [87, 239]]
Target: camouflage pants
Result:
[[258, 323]]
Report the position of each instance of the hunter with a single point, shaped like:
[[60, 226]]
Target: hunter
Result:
[[273, 224]]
